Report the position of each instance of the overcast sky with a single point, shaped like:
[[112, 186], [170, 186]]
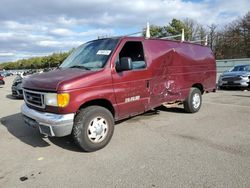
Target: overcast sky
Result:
[[39, 27]]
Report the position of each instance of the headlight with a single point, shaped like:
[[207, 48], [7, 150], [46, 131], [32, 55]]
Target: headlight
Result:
[[54, 99], [50, 99], [244, 77]]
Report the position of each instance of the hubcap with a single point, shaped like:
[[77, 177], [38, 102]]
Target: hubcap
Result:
[[97, 129], [196, 100]]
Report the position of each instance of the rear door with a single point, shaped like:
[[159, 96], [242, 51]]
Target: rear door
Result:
[[131, 87]]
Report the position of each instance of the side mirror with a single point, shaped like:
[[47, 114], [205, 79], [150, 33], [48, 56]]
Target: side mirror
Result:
[[124, 64]]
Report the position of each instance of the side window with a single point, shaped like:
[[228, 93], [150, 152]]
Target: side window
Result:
[[241, 68], [248, 68], [133, 50]]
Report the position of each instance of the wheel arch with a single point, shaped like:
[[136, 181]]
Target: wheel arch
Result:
[[199, 86], [100, 102]]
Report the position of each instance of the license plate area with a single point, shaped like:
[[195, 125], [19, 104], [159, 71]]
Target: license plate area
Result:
[[44, 129], [31, 122]]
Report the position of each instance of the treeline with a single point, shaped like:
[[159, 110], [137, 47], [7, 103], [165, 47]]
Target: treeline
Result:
[[53, 60], [233, 41], [230, 41]]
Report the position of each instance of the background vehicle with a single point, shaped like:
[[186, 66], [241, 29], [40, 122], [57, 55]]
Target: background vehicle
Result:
[[17, 90], [1, 80], [3, 73], [6, 73], [111, 79], [238, 76]]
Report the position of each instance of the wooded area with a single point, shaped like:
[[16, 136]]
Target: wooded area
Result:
[[227, 42]]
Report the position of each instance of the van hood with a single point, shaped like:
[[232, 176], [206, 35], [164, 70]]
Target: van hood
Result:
[[235, 74], [50, 81]]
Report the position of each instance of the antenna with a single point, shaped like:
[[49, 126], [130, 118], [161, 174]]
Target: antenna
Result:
[[148, 31], [182, 35], [206, 39]]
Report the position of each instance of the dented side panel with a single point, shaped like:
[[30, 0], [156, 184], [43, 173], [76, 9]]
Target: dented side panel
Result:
[[176, 67]]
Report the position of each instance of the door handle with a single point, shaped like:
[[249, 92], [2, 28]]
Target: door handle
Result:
[[147, 83]]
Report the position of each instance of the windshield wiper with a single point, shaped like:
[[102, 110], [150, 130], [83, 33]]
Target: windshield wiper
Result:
[[80, 67]]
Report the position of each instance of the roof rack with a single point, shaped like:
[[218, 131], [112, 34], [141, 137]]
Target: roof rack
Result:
[[202, 40], [182, 35]]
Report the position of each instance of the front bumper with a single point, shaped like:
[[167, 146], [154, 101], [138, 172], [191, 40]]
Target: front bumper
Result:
[[17, 91], [49, 124], [238, 83]]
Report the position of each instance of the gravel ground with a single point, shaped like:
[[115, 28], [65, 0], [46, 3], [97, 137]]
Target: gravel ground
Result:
[[171, 149]]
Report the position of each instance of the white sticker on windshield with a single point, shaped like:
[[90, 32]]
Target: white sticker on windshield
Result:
[[103, 52]]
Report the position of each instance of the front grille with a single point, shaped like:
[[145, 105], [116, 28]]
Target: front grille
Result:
[[231, 84], [231, 79], [34, 98]]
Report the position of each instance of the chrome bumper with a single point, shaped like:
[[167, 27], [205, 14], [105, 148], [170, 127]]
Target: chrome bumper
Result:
[[49, 124]]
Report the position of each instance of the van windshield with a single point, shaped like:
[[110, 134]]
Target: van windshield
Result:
[[91, 56]]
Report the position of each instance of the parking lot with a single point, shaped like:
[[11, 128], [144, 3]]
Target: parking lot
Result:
[[171, 149]]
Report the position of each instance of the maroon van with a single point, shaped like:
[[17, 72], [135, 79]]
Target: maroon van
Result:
[[110, 79]]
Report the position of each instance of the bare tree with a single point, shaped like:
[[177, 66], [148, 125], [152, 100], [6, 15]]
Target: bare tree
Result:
[[212, 36], [245, 32]]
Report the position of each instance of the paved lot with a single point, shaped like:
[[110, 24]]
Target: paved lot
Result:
[[172, 149]]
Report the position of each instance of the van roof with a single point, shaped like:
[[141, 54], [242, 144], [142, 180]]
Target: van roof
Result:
[[143, 38]]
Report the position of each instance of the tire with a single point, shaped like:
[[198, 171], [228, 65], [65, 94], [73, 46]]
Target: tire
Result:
[[194, 100], [221, 87], [93, 128]]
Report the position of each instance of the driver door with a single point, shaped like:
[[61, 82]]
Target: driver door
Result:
[[131, 87]]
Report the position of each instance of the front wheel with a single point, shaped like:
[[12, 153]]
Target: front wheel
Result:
[[93, 128], [193, 102]]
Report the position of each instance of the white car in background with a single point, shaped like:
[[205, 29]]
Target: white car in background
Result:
[[238, 76]]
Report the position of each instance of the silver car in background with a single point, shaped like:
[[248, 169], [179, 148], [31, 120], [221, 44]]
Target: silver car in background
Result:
[[17, 90], [238, 76]]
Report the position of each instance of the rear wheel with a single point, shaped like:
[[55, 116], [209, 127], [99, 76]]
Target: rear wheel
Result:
[[221, 87], [93, 128], [194, 100]]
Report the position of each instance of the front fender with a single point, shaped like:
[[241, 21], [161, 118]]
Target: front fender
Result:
[[81, 96]]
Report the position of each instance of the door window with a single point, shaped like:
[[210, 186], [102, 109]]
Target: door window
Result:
[[133, 50]]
